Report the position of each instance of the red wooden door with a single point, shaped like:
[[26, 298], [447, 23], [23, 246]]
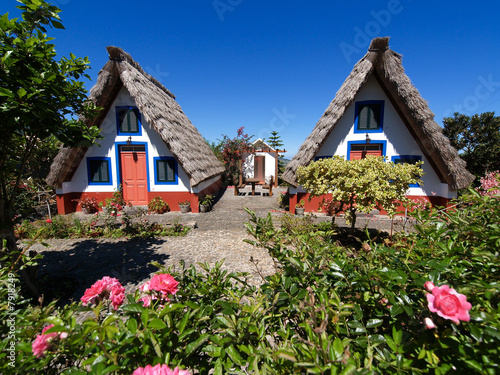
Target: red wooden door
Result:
[[134, 177], [259, 168]]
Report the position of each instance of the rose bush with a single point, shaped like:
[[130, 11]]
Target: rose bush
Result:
[[336, 304]]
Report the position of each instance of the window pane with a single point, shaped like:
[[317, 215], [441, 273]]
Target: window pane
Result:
[[170, 166], [369, 116], [161, 171], [99, 171], [128, 119], [165, 170], [132, 121]]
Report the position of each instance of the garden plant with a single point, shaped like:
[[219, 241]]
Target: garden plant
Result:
[[424, 303]]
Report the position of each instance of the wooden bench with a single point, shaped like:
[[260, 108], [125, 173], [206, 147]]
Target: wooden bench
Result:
[[270, 186]]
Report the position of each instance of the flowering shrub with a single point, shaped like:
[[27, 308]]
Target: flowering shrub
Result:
[[490, 184], [331, 307], [99, 225]]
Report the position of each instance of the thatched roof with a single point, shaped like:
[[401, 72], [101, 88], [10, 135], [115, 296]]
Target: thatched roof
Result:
[[159, 108], [385, 65], [261, 145]]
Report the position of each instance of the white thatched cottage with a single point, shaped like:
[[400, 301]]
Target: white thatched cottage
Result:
[[377, 111], [149, 147]]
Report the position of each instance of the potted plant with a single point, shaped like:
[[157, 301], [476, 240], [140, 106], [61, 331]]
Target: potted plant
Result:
[[184, 206], [89, 205], [158, 205], [206, 203], [299, 208]]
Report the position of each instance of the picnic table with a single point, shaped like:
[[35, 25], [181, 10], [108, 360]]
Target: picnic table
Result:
[[252, 181]]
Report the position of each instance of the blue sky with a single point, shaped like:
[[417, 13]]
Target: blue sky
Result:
[[276, 65]]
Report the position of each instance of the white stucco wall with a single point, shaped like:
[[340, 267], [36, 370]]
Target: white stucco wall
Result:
[[397, 137], [269, 165], [107, 147]]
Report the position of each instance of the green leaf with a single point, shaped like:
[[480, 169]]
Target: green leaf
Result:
[[191, 347], [156, 324], [134, 307], [372, 323], [286, 354], [132, 325], [6, 92], [58, 25]]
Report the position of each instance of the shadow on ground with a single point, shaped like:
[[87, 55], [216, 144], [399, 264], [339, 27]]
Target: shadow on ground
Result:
[[64, 275]]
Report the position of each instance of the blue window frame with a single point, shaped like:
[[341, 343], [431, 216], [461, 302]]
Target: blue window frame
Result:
[[128, 120], [99, 171], [369, 116], [165, 170], [410, 159]]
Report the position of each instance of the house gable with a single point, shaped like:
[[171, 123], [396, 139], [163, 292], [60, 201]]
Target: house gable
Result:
[[395, 139], [385, 66]]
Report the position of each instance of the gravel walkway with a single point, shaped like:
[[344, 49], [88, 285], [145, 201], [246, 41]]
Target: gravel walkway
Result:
[[70, 266]]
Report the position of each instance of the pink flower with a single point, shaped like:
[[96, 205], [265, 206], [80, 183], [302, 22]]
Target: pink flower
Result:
[[43, 342], [159, 370], [429, 286], [163, 283], [429, 324], [107, 287], [449, 304], [49, 221]]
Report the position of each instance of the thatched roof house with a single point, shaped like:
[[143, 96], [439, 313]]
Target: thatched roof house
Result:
[[384, 65], [161, 110], [157, 106]]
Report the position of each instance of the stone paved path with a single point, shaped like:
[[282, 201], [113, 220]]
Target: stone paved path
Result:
[[73, 265]]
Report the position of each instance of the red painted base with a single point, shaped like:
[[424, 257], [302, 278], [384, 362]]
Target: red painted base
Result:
[[68, 203], [313, 205]]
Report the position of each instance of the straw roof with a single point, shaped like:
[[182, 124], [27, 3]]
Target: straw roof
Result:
[[385, 65], [159, 108]]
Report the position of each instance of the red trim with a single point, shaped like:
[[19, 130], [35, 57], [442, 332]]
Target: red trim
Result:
[[68, 203], [314, 203]]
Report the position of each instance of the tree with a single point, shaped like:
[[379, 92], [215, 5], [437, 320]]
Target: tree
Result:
[[40, 99], [275, 142], [360, 185], [477, 140], [232, 150]]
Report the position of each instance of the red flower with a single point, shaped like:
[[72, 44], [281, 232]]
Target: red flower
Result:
[[49, 221]]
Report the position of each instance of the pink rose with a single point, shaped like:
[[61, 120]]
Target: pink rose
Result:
[[429, 286], [107, 287], [49, 221], [159, 370], [449, 304], [163, 283], [44, 342], [429, 324]]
